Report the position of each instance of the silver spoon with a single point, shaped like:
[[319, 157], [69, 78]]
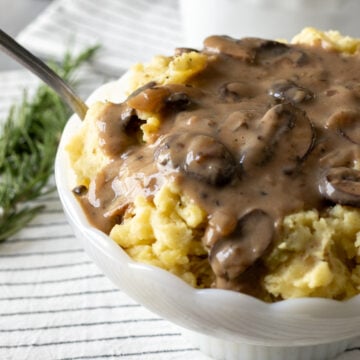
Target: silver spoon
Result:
[[39, 68]]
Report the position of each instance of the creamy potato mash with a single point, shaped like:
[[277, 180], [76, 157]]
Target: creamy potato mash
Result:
[[314, 252]]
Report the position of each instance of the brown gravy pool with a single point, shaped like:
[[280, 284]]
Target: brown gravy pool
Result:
[[266, 130]]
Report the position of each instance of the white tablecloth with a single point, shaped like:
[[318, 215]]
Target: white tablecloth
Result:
[[55, 303]]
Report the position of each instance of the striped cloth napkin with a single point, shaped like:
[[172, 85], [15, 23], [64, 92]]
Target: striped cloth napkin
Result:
[[55, 303], [128, 31]]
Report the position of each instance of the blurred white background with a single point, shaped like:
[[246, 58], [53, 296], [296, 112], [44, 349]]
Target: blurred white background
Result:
[[14, 16], [266, 18]]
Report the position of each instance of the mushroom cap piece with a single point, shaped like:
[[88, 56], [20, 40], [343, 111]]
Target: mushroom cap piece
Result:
[[232, 255], [341, 185]]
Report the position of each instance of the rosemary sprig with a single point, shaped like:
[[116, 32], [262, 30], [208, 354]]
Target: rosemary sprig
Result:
[[28, 143]]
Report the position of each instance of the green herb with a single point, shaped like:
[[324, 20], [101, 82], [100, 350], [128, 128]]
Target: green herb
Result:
[[28, 143]]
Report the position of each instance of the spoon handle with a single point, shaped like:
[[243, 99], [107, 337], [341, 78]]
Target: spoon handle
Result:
[[39, 68]]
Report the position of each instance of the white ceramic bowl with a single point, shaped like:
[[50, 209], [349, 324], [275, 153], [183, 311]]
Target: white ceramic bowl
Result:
[[224, 324]]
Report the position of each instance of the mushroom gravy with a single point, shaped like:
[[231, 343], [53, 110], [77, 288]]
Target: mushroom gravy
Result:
[[266, 130]]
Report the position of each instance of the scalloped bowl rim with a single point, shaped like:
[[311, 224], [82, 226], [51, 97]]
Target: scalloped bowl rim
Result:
[[303, 318]]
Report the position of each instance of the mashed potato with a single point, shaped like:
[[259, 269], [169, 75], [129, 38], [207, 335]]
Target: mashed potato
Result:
[[165, 232], [85, 155], [315, 255]]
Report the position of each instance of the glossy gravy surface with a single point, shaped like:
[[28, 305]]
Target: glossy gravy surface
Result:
[[266, 130]]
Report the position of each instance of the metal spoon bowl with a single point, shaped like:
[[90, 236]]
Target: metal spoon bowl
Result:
[[39, 68]]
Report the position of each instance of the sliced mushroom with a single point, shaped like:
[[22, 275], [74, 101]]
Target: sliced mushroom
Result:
[[269, 50], [346, 122], [131, 124], [341, 185], [232, 255], [235, 91], [151, 99], [297, 57], [118, 128], [178, 101], [284, 133], [209, 160], [288, 91], [340, 156], [200, 156], [241, 49]]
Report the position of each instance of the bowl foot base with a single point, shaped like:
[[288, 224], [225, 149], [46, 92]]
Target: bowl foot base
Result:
[[227, 350]]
